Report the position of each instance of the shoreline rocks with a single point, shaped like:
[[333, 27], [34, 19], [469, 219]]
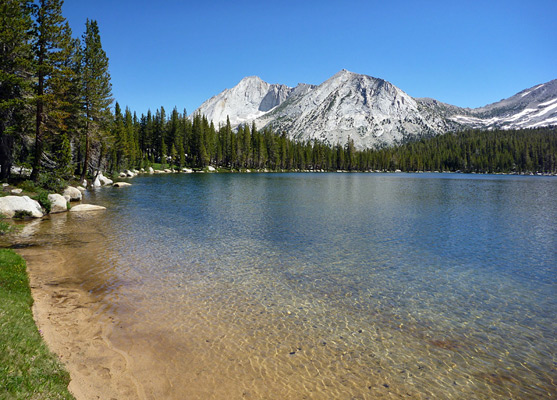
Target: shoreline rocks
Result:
[[10, 205]]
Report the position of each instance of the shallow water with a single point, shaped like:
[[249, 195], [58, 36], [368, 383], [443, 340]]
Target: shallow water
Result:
[[325, 285]]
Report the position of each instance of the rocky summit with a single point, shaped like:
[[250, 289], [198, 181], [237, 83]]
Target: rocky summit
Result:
[[370, 111]]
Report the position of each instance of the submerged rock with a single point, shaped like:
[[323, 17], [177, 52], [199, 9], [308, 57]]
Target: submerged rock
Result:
[[121, 184], [58, 203], [87, 207], [9, 205]]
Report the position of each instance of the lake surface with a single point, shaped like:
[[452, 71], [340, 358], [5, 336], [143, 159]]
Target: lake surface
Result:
[[327, 286]]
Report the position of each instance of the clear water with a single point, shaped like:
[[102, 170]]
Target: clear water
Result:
[[330, 285]]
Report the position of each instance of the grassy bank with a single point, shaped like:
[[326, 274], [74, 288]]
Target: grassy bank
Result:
[[28, 370]]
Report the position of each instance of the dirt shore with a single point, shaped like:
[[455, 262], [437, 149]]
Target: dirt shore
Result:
[[68, 319]]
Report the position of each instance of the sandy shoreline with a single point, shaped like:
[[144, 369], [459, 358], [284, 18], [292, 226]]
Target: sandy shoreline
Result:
[[66, 316]]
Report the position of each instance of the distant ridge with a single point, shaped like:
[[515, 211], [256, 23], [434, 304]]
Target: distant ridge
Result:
[[368, 110]]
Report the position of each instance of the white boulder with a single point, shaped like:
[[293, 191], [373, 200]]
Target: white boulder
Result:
[[187, 170], [122, 175], [86, 207], [58, 203], [210, 168], [10, 204], [81, 189], [151, 170], [129, 174], [104, 180], [73, 193], [16, 191], [97, 183]]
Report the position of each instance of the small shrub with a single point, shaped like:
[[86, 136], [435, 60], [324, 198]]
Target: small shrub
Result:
[[4, 226], [51, 182], [28, 186], [42, 198], [22, 214]]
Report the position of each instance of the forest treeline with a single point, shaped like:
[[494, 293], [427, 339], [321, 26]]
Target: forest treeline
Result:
[[182, 141], [58, 118]]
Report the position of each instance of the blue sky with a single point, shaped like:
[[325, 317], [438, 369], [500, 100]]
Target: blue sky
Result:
[[180, 53]]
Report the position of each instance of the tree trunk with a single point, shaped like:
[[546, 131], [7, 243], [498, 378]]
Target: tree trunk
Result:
[[86, 158], [6, 147]]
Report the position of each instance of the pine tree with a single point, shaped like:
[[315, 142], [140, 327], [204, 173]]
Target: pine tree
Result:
[[15, 74], [119, 149], [131, 139], [96, 91], [51, 46]]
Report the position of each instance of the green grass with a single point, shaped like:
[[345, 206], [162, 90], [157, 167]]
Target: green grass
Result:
[[28, 370]]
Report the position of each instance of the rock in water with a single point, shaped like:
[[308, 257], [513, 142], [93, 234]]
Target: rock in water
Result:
[[121, 184], [87, 207], [10, 204], [73, 193], [104, 180], [58, 203]]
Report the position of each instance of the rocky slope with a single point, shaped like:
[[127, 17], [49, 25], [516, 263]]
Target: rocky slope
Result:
[[248, 100], [369, 110], [530, 108]]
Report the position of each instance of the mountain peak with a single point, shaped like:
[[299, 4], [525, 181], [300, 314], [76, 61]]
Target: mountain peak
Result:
[[252, 78], [344, 72], [370, 111]]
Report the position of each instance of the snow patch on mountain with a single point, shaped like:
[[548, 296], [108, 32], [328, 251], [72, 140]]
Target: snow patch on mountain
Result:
[[530, 108]]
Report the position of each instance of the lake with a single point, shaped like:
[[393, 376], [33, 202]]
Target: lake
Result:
[[322, 286]]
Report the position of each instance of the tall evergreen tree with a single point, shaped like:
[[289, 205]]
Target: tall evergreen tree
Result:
[[97, 91], [15, 75], [51, 44], [119, 136]]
